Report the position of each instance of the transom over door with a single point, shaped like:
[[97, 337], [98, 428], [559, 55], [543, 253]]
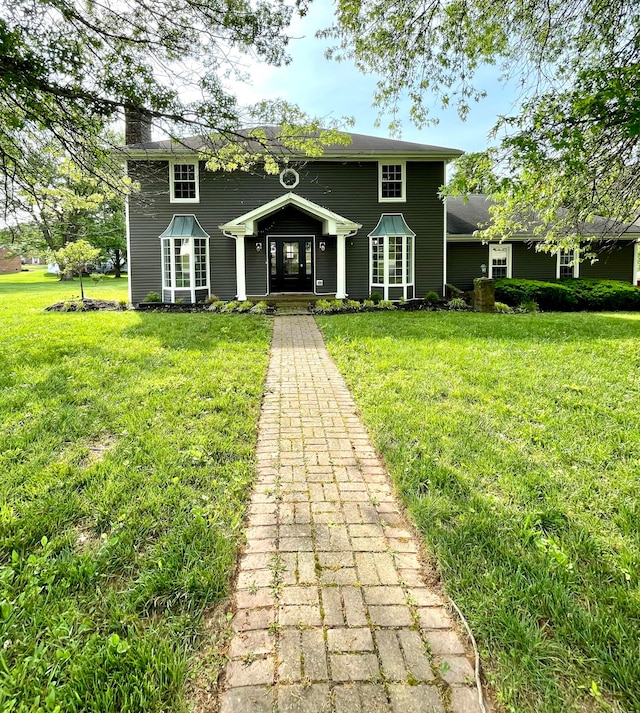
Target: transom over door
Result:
[[290, 264]]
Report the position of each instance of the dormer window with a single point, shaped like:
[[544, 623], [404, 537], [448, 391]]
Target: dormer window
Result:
[[183, 182], [392, 182]]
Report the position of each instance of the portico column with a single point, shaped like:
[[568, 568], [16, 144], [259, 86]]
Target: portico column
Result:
[[241, 280], [341, 277]]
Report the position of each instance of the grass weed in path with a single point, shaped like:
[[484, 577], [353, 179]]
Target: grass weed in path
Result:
[[515, 442], [126, 452]]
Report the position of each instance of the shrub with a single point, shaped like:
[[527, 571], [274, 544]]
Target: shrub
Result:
[[432, 299], [96, 277], [593, 294], [502, 307], [211, 299], [230, 306], [323, 306], [244, 306], [375, 297], [369, 304], [571, 294], [527, 307], [550, 296], [457, 304], [353, 305], [216, 306], [152, 297], [386, 304], [259, 308]]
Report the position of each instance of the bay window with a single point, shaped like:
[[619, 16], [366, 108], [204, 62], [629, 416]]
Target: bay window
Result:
[[185, 260], [392, 245]]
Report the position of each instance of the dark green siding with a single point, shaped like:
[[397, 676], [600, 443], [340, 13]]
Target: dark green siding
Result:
[[463, 263], [464, 259], [256, 264], [531, 265], [615, 262], [349, 189]]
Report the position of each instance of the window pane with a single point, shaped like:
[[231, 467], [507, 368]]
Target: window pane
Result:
[[166, 257], [377, 260], [308, 258], [395, 260], [391, 181], [200, 262], [409, 260], [184, 180], [182, 261]]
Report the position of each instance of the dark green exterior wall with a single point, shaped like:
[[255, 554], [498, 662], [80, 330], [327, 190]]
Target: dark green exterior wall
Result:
[[615, 262], [464, 259], [347, 188]]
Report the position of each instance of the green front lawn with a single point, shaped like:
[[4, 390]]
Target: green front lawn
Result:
[[127, 457], [514, 440]]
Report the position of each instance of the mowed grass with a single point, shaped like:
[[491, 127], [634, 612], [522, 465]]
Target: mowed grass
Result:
[[126, 454], [514, 440]]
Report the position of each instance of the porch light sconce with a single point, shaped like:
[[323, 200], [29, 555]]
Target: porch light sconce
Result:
[[483, 269], [258, 247], [322, 245]]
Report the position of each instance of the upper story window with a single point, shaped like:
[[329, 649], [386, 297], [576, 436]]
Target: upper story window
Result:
[[567, 265], [183, 182], [499, 261], [392, 182]]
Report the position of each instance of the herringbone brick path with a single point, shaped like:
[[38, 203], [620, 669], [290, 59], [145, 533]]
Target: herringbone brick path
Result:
[[332, 610]]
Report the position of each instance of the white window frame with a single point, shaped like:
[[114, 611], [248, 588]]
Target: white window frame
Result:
[[576, 264], [172, 197], [501, 246], [408, 280], [172, 289], [403, 196]]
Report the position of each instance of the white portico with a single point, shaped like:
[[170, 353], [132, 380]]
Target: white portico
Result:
[[246, 226]]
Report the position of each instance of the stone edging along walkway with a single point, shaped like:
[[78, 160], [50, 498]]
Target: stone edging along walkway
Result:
[[332, 612]]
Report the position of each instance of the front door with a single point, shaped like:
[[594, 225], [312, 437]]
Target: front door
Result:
[[290, 264]]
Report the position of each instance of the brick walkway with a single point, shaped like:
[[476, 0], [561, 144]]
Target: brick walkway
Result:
[[332, 610]]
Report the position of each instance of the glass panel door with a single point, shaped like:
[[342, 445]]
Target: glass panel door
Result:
[[291, 258]]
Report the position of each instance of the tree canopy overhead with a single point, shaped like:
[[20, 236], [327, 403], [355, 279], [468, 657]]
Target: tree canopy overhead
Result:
[[70, 67], [571, 150]]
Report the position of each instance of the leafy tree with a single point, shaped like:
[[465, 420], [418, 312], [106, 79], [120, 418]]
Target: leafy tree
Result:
[[75, 257], [68, 68], [572, 151]]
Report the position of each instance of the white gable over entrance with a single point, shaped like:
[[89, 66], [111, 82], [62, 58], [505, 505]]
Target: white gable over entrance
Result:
[[332, 223]]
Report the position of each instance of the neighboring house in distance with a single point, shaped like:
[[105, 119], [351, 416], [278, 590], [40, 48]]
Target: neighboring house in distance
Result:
[[615, 245], [9, 261], [359, 219]]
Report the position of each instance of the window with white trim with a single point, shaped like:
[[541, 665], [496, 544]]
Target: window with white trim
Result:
[[499, 261], [184, 263], [391, 263], [567, 264], [183, 182], [391, 182]]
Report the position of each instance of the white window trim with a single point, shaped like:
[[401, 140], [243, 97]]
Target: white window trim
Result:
[[407, 280], [172, 198], [509, 258], [576, 263], [192, 268], [403, 196]]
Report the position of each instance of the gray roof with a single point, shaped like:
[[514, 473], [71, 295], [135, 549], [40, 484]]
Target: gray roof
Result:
[[464, 217], [360, 145]]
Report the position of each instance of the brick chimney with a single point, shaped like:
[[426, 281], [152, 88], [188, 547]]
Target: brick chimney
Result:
[[137, 127]]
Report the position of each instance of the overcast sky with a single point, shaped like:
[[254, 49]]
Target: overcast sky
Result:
[[324, 88]]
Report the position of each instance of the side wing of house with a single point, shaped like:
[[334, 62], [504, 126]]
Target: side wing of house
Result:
[[309, 230], [468, 258]]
